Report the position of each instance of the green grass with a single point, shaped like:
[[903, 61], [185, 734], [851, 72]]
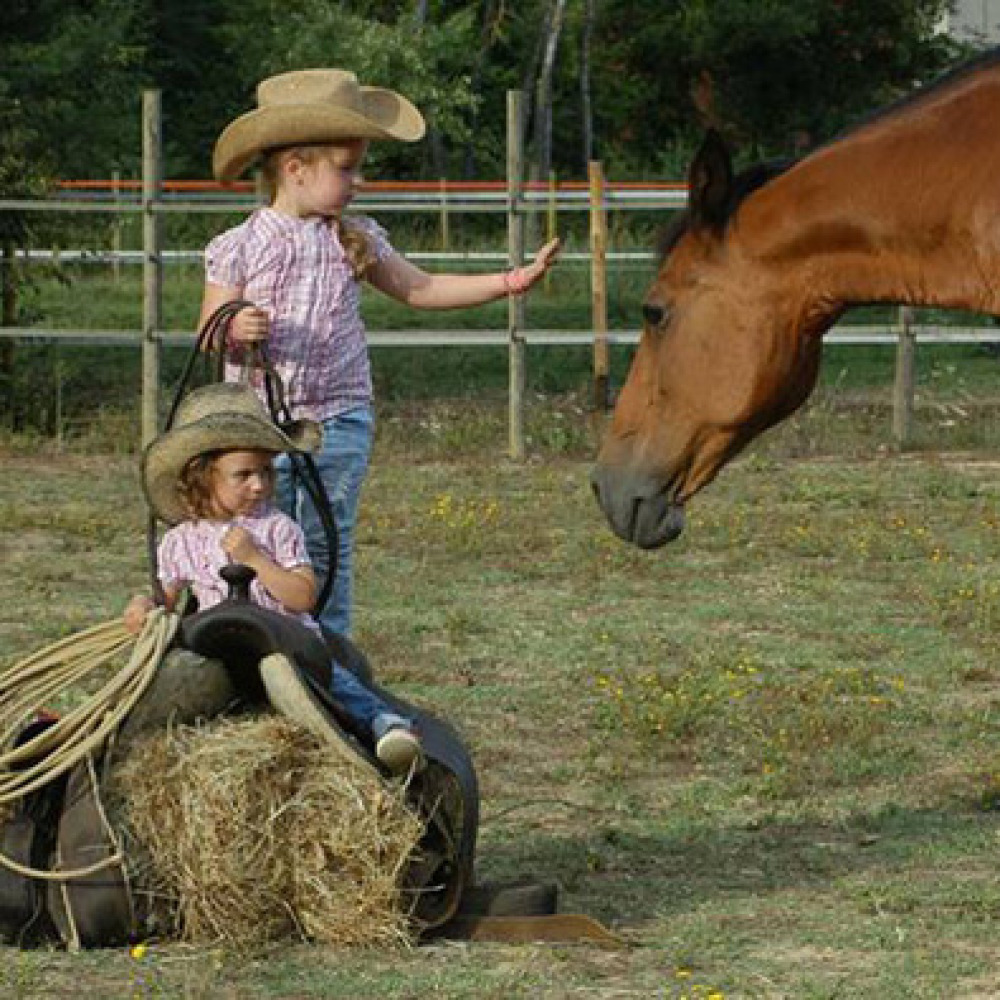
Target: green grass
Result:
[[68, 389], [767, 756]]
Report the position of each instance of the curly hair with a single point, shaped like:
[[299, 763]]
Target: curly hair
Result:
[[356, 245], [194, 485]]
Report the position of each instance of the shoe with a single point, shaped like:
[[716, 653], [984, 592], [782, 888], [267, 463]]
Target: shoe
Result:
[[399, 749]]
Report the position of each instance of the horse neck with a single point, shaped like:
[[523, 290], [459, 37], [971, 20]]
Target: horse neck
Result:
[[904, 210]]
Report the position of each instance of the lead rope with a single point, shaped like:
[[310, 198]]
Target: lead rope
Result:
[[305, 471], [75, 736]]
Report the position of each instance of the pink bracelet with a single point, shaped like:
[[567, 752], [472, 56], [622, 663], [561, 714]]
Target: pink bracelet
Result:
[[516, 282]]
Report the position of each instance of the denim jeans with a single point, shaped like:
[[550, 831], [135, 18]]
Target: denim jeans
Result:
[[342, 463], [362, 705]]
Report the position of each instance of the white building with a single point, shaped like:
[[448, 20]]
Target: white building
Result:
[[975, 21]]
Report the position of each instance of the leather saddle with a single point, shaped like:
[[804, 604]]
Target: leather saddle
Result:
[[233, 657]]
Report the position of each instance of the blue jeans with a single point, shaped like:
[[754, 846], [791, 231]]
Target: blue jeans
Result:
[[342, 464], [364, 706]]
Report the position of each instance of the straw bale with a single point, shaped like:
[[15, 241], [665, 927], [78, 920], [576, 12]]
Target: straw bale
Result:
[[248, 830]]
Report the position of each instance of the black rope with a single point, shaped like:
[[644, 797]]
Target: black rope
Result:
[[306, 472], [211, 338]]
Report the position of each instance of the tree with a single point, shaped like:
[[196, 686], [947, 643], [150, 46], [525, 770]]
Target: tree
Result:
[[383, 46], [186, 59], [586, 114], [75, 69], [784, 74], [542, 158], [615, 75], [18, 179]]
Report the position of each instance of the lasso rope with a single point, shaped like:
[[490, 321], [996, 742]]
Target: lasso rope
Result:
[[30, 684]]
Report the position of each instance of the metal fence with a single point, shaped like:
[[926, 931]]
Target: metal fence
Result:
[[152, 198]]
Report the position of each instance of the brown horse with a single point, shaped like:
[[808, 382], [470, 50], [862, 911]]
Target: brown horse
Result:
[[904, 208]]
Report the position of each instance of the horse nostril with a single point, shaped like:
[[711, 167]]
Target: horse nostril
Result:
[[653, 315]]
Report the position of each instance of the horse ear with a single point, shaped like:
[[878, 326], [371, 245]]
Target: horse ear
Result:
[[710, 182]]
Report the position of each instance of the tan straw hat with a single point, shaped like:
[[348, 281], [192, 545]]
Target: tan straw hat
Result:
[[313, 106], [215, 418]]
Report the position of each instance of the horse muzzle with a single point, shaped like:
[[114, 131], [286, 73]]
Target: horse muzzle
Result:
[[638, 508]]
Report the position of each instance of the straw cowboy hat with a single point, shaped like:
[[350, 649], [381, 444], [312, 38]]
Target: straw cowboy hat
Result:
[[313, 106], [215, 418]]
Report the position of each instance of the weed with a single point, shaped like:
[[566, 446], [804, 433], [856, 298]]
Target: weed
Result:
[[766, 755]]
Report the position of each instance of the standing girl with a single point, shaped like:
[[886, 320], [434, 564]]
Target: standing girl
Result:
[[300, 263]]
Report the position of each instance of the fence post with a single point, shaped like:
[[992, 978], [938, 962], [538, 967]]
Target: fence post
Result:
[[903, 389], [552, 219], [445, 227], [8, 317], [116, 227], [515, 253], [152, 274], [599, 286]]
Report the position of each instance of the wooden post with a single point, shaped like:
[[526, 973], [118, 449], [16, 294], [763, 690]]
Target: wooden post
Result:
[[552, 219], [152, 272], [599, 287], [8, 317], [903, 389], [445, 228], [116, 227], [58, 416], [515, 251]]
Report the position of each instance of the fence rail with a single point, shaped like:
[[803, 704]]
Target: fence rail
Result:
[[426, 256], [874, 334], [375, 197], [152, 198]]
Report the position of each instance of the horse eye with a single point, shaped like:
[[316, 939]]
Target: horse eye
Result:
[[654, 315]]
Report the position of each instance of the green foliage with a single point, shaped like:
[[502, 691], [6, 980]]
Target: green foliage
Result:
[[76, 70], [777, 75], [198, 77], [428, 63]]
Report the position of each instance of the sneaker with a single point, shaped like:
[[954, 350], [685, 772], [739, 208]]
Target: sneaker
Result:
[[399, 749]]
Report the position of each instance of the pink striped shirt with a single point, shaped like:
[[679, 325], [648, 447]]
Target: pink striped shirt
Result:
[[297, 272], [191, 553]]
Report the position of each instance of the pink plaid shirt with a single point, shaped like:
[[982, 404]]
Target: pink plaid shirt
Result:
[[297, 272], [191, 553]]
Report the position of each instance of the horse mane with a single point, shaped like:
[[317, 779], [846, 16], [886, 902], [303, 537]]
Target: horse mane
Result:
[[744, 184], [756, 176], [984, 61]]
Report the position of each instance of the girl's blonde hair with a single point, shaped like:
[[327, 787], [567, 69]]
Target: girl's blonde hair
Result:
[[354, 241], [195, 485]]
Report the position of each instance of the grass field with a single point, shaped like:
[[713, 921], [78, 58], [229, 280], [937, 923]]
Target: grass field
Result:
[[767, 756], [77, 391]]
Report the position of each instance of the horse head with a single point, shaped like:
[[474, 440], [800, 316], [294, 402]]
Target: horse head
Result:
[[722, 356], [901, 208]]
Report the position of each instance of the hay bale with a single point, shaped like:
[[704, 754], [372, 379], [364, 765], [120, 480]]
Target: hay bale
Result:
[[248, 831]]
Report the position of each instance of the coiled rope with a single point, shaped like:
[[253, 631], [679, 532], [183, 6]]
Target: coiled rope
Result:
[[32, 683]]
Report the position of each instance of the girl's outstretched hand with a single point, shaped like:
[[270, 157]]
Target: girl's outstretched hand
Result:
[[521, 279], [544, 259]]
